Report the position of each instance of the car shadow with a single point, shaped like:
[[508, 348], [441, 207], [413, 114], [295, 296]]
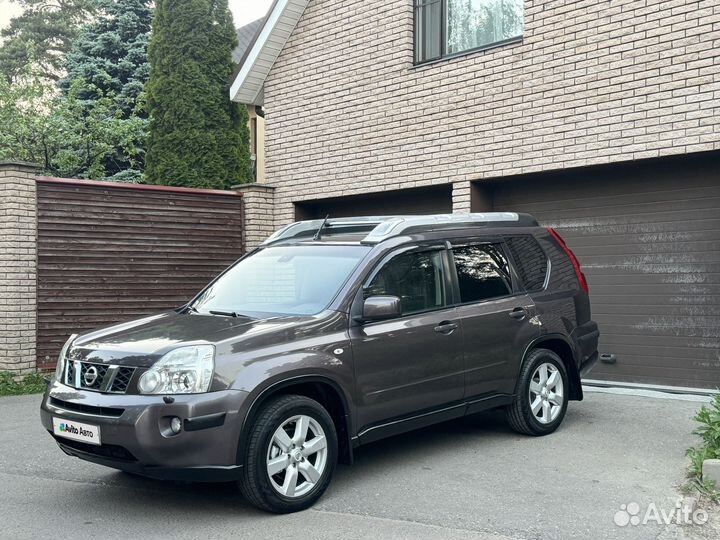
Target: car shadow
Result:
[[200, 500]]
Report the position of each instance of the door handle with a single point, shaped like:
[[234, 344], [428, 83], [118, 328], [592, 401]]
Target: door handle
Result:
[[518, 313], [446, 327]]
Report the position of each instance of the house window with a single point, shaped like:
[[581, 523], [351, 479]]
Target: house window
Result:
[[447, 27]]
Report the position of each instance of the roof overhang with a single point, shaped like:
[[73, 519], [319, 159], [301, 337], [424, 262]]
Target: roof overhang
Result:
[[279, 24]]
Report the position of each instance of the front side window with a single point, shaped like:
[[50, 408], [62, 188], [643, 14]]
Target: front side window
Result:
[[416, 278], [483, 272], [446, 27], [282, 280]]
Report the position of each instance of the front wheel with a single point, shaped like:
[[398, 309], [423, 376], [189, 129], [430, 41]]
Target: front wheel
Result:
[[542, 396], [291, 455]]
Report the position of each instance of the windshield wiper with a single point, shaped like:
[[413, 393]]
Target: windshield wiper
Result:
[[224, 313]]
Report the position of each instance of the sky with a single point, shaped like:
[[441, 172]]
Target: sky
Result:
[[244, 11]]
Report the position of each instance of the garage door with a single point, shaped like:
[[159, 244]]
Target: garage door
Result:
[[423, 200], [648, 236]]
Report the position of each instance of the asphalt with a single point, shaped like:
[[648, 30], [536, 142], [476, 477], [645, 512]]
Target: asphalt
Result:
[[468, 479]]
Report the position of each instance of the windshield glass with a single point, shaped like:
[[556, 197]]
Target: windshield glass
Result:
[[283, 280]]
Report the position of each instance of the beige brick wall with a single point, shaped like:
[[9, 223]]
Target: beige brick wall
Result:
[[258, 202], [591, 82], [18, 267]]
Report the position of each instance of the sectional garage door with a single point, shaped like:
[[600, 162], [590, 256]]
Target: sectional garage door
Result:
[[421, 200], [648, 236]]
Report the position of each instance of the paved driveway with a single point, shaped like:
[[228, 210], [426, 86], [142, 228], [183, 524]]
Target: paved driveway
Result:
[[466, 479]]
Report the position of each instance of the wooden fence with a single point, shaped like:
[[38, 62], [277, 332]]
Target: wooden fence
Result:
[[112, 252]]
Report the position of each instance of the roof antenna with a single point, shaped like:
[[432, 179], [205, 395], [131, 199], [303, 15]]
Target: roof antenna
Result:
[[322, 226]]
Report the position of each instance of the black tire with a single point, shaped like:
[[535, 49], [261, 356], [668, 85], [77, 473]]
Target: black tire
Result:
[[256, 485], [519, 414]]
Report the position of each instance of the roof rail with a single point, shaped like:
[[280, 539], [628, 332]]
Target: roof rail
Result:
[[307, 229], [379, 228], [412, 224]]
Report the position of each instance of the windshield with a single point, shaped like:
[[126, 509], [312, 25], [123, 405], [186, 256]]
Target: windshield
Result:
[[283, 280]]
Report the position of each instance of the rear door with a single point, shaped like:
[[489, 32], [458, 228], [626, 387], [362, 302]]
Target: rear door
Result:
[[496, 317], [413, 363]]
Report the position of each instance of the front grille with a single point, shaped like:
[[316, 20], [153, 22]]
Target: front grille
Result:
[[92, 376], [109, 451], [114, 412], [70, 375], [98, 377], [122, 380]]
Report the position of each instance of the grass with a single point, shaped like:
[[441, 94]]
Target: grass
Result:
[[33, 383]]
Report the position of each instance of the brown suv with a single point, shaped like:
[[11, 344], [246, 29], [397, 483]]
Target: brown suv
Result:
[[332, 334]]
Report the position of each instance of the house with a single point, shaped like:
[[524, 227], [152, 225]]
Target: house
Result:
[[600, 118], [256, 124]]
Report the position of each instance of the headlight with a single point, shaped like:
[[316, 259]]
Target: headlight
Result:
[[62, 359], [187, 370]]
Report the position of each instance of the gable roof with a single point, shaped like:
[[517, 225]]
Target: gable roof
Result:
[[265, 47], [246, 37]]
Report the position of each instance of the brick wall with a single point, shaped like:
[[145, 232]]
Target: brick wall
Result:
[[18, 263], [592, 82]]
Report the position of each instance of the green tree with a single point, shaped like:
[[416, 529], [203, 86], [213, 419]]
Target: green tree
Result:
[[110, 54], [42, 35], [198, 137], [108, 64], [63, 134]]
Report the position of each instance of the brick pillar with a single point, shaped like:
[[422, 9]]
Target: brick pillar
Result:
[[18, 266], [258, 208], [461, 195]]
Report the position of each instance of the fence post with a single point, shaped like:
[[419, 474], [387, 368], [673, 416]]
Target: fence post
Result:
[[18, 266], [258, 205]]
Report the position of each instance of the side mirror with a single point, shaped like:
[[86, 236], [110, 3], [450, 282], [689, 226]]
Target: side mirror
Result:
[[379, 308]]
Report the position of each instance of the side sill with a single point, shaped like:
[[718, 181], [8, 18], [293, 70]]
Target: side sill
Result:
[[411, 423]]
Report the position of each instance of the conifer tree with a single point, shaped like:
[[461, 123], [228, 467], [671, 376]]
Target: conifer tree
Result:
[[198, 137], [109, 55]]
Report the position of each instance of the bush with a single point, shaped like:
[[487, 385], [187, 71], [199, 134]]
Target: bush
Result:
[[30, 384], [708, 418]]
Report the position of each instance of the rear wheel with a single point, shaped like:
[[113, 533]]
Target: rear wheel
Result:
[[542, 396], [291, 456]]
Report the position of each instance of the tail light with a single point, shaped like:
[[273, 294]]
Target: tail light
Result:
[[573, 259]]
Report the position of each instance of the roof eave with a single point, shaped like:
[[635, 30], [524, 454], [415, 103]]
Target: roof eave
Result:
[[279, 24]]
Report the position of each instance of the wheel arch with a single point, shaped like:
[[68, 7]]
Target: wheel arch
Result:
[[323, 390], [561, 346]]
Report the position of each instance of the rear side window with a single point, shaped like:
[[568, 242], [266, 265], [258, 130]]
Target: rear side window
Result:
[[416, 278], [530, 260], [483, 272]]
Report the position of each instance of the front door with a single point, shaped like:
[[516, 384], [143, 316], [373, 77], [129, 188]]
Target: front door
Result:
[[412, 363]]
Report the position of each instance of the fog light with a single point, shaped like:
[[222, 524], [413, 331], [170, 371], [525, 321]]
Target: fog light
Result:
[[176, 425]]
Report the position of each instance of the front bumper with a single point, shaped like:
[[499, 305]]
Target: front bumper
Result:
[[135, 436]]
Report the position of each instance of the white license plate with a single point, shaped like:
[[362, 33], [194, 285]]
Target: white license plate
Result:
[[77, 431]]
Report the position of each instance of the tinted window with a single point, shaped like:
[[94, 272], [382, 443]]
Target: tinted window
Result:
[[416, 278], [530, 261], [482, 272]]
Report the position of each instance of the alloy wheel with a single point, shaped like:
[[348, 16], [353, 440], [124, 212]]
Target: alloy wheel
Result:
[[297, 456], [546, 393]]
